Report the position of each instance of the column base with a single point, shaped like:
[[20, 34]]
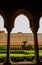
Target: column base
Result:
[[37, 62], [7, 63]]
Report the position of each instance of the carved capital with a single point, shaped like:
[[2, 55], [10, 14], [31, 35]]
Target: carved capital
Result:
[[35, 25]]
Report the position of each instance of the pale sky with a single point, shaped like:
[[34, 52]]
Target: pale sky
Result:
[[21, 25]]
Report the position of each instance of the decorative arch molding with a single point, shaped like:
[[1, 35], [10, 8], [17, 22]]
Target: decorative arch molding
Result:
[[24, 12], [3, 15], [39, 17]]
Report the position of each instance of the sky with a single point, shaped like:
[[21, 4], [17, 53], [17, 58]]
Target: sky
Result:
[[21, 25]]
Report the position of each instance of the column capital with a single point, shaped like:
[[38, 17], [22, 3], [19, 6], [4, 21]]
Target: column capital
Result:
[[35, 24], [9, 29], [34, 29], [8, 24]]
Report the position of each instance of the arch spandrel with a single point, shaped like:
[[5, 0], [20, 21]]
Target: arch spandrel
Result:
[[39, 17]]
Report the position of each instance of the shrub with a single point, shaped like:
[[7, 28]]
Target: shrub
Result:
[[3, 47], [18, 59], [24, 45], [2, 59], [29, 47]]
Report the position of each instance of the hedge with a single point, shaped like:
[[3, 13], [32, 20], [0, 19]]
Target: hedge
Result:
[[19, 59]]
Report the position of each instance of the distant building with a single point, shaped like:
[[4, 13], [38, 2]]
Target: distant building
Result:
[[2, 31], [17, 39]]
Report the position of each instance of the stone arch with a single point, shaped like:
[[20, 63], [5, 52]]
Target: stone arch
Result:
[[22, 24], [40, 31], [39, 18], [24, 12], [40, 24], [3, 15], [4, 18]]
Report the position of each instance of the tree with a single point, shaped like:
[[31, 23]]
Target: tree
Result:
[[29, 47], [24, 45]]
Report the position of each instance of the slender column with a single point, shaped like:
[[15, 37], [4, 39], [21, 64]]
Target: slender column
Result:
[[8, 50], [8, 26], [8, 47], [36, 48]]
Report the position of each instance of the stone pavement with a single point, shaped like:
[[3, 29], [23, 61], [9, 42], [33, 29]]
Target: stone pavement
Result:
[[23, 63]]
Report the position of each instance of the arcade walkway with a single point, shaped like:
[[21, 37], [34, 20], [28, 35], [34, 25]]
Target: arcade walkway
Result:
[[33, 11], [23, 63]]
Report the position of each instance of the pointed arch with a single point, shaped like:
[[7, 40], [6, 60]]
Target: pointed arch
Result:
[[22, 24], [2, 24], [24, 12], [40, 25]]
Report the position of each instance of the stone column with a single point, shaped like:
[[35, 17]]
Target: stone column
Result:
[[8, 47], [8, 50], [9, 24], [36, 49], [34, 28]]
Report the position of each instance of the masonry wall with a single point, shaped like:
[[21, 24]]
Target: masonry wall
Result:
[[18, 38]]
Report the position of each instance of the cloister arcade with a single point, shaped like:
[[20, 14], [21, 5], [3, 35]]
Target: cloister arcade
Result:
[[9, 18]]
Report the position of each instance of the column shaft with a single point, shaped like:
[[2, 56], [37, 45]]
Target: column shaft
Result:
[[36, 47], [8, 47]]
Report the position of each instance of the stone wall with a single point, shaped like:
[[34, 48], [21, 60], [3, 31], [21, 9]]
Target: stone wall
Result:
[[18, 38]]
